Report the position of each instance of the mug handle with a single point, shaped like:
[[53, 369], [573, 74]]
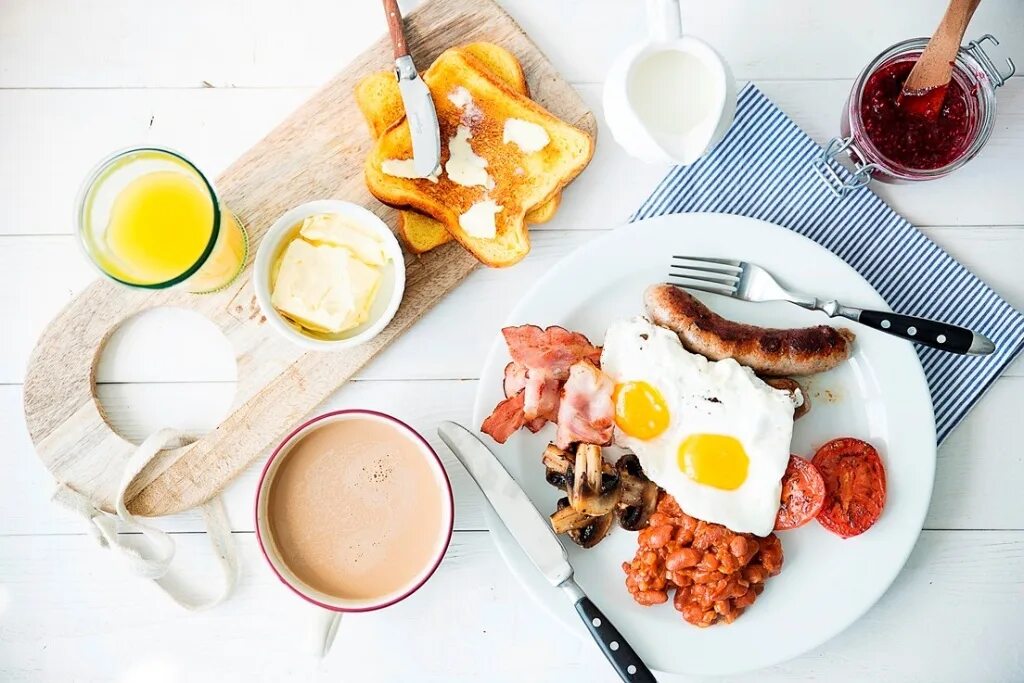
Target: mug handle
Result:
[[663, 20], [323, 630]]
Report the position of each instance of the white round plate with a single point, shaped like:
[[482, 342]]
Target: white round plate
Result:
[[879, 395]]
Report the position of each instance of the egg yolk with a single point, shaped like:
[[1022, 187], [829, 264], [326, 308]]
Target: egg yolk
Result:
[[714, 460], [640, 410]]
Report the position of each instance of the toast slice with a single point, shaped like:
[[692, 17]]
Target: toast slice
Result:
[[485, 191], [380, 102]]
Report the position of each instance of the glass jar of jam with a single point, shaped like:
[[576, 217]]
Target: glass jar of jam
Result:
[[887, 142]]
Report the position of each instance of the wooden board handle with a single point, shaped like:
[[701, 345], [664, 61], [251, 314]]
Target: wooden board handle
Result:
[[318, 152], [395, 28]]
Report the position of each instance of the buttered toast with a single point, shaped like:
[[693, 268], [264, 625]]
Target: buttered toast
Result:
[[502, 156], [380, 102]]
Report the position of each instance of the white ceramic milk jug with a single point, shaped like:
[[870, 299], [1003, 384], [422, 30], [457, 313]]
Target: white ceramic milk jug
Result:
[[672, 98]]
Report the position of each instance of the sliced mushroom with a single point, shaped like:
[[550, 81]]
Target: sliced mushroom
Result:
[[592, 531], [801, 402], [558, 466], [595, 486], [565, 518], [639, 495]]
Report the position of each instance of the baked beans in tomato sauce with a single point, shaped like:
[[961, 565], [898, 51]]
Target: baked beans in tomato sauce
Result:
[[715, 573]]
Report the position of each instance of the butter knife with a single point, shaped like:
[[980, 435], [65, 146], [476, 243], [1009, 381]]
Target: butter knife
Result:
[[419, 106], [533, 533]]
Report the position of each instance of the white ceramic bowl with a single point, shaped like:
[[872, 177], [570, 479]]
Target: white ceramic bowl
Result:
[[389, 296]]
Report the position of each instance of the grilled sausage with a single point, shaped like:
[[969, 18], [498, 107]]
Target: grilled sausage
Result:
[[770, 352]]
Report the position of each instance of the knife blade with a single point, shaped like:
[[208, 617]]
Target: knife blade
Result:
[[531, 530], [422, 117], [534, 535], [420, 113]]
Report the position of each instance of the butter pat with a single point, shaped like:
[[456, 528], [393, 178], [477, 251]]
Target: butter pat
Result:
[[464, 166], [463, 101], [530, 137], [460, 97], [478, 221], [336, 230], [404, 168], [328, 275], [363, 283]]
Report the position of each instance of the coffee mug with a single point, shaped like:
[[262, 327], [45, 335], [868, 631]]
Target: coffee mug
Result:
[[354, 513]]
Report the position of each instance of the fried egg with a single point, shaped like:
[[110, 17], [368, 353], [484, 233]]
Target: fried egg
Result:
[[710, 433]]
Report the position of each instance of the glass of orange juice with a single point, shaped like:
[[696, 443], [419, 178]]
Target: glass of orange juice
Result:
[[147, 217]]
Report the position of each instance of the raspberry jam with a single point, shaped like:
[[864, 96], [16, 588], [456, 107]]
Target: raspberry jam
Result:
[[887, 142], [906, 137]]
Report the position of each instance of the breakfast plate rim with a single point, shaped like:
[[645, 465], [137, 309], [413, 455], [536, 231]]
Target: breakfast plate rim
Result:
[[496, 358]]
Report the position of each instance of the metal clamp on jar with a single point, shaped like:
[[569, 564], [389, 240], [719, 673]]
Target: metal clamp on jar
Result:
[[889, 146]]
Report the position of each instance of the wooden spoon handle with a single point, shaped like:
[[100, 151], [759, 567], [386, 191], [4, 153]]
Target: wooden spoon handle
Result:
[[396, 29], [935, 66]]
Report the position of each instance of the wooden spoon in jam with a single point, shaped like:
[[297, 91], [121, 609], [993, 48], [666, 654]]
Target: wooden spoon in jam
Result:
[[925, 88]]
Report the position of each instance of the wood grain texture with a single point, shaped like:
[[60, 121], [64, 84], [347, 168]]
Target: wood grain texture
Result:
[[303, 42], [472, 622], [934, 67], [81, 85], [316, 153], [48, 149], [395, 28]]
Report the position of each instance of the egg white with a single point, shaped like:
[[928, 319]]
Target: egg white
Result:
[[705, 397]]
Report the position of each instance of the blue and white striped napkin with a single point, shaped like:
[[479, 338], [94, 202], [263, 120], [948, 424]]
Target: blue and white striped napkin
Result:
[[763, 169]]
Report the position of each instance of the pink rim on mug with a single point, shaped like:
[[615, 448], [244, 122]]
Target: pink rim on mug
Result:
[[287, 441]]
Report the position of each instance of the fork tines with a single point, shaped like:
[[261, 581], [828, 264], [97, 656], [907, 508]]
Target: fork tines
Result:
[[714, 275]]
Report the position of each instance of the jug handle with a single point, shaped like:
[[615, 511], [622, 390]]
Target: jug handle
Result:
[[663, 20]]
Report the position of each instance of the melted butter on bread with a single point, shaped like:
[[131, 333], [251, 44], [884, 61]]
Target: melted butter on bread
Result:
[[478, 221], [404, 168], [528, 136], [544, 173], [380, 102], [465, 166]]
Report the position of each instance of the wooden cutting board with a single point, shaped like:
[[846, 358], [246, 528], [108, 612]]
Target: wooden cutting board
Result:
[[316, 153]]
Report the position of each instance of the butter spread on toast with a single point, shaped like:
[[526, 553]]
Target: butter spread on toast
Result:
[[545, 172], [471, 114], [380, 102], [528, 136], [403, 168], [478, 220], [464, 166]]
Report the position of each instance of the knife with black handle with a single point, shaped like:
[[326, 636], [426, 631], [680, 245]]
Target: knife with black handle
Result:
[[532, 531]]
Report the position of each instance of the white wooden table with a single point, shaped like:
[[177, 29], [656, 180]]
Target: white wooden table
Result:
[[79, 79]]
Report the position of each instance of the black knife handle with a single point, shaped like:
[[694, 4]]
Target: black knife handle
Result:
[[933, 333], [627, 663]]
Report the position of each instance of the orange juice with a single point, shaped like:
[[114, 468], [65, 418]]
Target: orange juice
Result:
[[150, 219], [159, 227]]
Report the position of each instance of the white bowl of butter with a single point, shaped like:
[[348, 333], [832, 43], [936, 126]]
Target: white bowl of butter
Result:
[[329, 275]]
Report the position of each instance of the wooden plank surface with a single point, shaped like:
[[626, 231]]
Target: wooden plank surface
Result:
[[240, 43], [221, 123], [973, 489], [165, 345], [471, 622], [317, 152], [79, 79]]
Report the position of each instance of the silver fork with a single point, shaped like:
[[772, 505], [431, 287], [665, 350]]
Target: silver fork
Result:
[[751, 282]]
